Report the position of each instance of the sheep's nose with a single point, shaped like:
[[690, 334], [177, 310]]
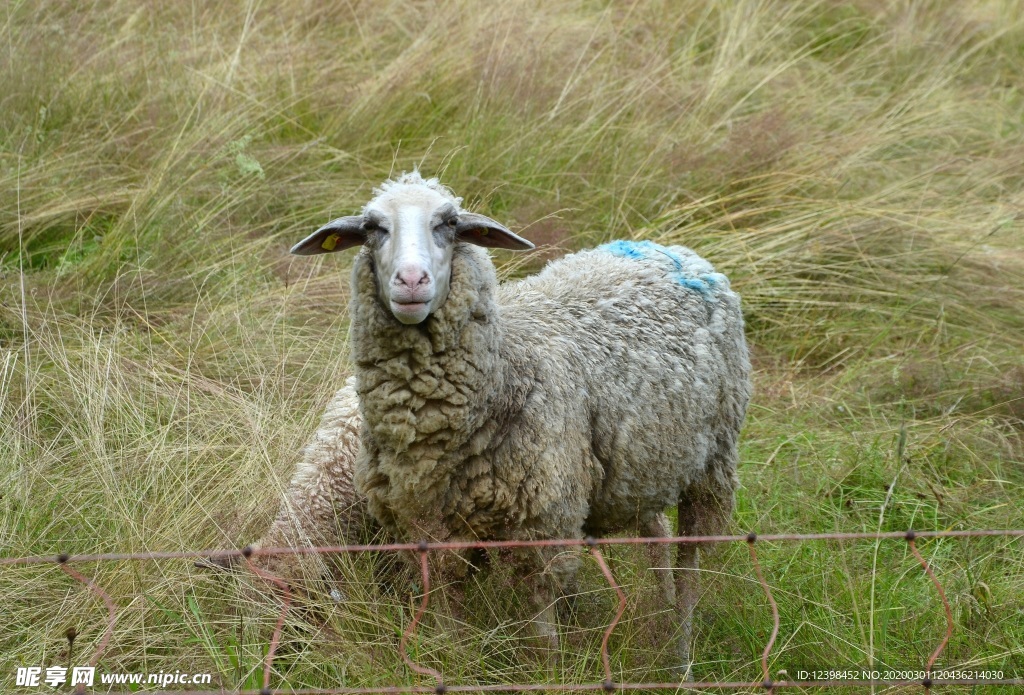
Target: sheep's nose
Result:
[[411, 277]]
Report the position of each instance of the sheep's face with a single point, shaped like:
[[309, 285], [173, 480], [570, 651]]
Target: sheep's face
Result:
[[412, 236], [411, 229]]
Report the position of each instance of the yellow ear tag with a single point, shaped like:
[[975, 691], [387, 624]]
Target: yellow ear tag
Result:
[[330, 242]]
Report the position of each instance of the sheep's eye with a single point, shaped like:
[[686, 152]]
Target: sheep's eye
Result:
[[452, 221], [371, 226]]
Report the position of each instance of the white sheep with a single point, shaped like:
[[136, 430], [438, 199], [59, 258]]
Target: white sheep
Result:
[[321, 506], [583, 400]]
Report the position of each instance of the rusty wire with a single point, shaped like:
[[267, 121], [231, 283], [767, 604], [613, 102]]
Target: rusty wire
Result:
[[605, 658], [286, 603], [411, 629], [751, 539], [111, 620], [945, 605], [218, 554], [423, 549]]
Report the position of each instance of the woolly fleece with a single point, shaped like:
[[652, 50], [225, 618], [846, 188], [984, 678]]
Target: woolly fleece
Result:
[[583, 400]]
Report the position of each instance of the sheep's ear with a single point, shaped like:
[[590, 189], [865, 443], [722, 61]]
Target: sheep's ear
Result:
[[483, 231], [337, 235]]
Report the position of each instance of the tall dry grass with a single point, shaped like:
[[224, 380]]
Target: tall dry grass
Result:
[[855, 167]]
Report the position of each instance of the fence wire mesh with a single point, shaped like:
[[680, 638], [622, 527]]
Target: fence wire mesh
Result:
[[438, 686]]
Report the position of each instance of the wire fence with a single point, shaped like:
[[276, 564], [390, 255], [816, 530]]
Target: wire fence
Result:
[[929, 679]]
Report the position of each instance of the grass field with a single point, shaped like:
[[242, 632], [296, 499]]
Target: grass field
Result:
[[856, 168]]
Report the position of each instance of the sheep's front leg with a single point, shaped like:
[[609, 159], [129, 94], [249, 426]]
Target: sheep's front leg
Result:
[[544, 621], [450, 571], [547, 572]]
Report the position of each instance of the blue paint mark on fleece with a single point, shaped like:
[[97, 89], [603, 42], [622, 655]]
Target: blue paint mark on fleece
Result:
[[627, 249], [690, 271]]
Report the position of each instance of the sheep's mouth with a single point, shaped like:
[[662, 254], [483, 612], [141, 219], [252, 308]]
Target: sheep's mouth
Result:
[[409, 306], [410, 312]]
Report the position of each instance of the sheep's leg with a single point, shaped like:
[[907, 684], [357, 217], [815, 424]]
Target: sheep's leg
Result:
[[547, 572], [660, 557], [687, 584], [567, 605], [702, 511], [544, 622], [450, 571]]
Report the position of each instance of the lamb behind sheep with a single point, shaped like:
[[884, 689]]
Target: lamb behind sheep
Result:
[[321, 505], [583, 400]]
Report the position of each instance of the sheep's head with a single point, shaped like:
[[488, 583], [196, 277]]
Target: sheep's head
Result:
[[411, 227]]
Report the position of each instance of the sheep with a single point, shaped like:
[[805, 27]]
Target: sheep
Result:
[[583, 400], [321, 506]]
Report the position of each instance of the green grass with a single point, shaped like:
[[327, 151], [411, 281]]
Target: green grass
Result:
[[854, 167]]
